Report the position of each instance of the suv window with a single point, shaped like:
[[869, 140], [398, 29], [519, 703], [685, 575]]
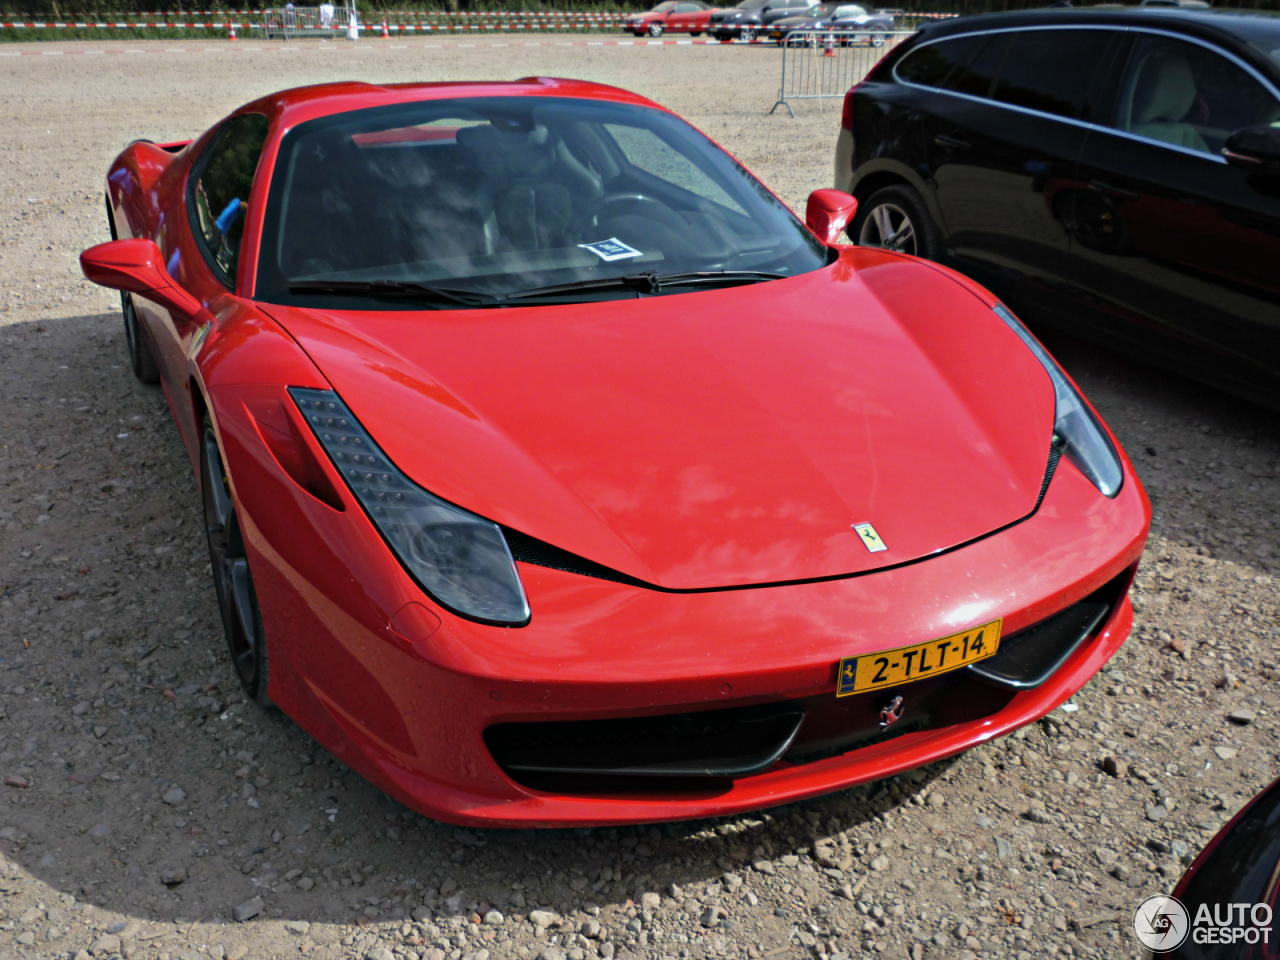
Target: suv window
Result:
[[1185, 94], [1050, 70], [220, 191], [977, 77], [930, 65]]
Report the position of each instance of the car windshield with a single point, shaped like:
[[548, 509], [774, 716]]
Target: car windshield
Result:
[[850, 10], [750, 4], [497, 196], [820, 10]]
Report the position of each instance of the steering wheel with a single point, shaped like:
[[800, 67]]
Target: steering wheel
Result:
[[601, 209]]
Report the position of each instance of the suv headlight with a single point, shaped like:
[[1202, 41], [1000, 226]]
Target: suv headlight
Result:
[[461, 560], [1083, 439]]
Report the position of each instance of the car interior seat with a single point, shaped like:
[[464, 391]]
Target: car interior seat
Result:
[[1163, 95], [534, 186]]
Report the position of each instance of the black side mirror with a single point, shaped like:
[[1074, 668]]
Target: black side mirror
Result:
[[1255, 149]]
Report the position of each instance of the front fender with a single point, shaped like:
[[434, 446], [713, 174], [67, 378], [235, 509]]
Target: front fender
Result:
[[903, 174]]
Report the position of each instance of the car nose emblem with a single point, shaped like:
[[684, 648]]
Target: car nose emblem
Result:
[[870, 539], [891, 714]]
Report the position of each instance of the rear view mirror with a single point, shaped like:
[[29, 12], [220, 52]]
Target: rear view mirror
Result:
[[829, 212], [1256, 149], [138, 267]]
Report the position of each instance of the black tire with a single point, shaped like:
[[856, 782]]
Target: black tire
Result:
[[877, 39], [232, 579], [140, 358], [900, 211], [656, 30]]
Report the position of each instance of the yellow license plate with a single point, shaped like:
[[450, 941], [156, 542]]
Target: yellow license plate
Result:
[[892, 667]]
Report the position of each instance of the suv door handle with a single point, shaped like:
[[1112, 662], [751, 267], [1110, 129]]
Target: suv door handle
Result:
[[1117, 193], [944, 140]]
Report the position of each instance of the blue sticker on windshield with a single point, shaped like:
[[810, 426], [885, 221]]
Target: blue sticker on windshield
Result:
[[611, 249]]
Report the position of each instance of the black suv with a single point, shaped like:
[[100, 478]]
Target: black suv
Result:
[[1114, 172]]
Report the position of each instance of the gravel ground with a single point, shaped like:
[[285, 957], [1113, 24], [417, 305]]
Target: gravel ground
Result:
[[148, 812]]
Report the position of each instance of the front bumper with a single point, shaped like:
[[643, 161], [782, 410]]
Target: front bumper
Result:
[[411, 712]]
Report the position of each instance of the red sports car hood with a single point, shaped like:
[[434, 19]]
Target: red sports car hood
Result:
[[716, 438]]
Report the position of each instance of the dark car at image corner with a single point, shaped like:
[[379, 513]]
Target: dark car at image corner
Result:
[[747, 20], [1236, 878], [1111, 172]]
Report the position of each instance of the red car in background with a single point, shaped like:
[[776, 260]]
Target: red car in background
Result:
[[675, 16], [555, 473]]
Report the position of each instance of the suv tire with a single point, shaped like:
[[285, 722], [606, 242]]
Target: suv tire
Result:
[[900, 212]]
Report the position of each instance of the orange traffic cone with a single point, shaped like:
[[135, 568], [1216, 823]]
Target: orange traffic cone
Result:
[[384, 28], [231, 29]]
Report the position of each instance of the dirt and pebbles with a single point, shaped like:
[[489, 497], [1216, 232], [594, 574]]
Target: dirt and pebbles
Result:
[[148, 812]]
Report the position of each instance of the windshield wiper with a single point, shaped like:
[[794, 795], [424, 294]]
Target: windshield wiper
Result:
[[406, 289], [646, 283]]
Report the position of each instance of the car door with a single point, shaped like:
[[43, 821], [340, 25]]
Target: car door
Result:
[[684, 18], [779, 9], [1169, 237], [1003, 140]]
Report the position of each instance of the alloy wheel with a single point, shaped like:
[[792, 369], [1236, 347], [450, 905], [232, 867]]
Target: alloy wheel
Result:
[[748, 35], [232, 581], [888, 226]]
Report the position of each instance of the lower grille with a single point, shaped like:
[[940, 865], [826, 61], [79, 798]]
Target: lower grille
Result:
[[702, 752], [1029, 657], [714, 743]]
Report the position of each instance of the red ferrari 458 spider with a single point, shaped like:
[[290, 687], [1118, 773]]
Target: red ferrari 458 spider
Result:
[[555, 473]]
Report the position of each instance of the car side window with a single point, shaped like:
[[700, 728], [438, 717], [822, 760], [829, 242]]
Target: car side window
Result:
[[1188, 95], [688, 8], [220, 187], [977, 77], [931, 64], [1050, 70]]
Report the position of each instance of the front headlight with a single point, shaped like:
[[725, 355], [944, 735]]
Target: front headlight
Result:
[[460, 559], [1083, 439]]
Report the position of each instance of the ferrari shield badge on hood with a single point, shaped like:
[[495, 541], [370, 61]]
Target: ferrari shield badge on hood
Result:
[[870, 539]]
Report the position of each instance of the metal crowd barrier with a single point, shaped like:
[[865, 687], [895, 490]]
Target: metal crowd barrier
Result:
[[824, 64], [291, 23]]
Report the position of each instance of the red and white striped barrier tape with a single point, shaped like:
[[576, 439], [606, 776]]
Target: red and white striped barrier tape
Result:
[[525, 21], [188, 25], [262, 45]]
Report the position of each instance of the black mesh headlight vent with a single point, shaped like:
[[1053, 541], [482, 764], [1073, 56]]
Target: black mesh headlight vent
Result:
[[527, 549]]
